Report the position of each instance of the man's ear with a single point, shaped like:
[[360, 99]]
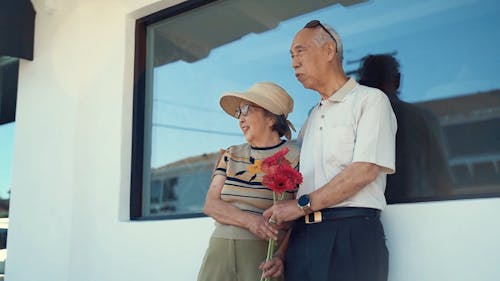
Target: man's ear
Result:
[[331, 49]]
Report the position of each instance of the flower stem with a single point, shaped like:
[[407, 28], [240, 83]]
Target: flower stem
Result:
[[270, 252], [282, 196], [270, 244]]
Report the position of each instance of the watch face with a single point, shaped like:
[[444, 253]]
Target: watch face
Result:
[[303, 200]]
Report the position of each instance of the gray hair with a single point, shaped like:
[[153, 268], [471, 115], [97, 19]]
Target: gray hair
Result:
[[322, 37]]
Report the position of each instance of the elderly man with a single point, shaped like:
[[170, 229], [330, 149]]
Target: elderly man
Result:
[[348, 147]]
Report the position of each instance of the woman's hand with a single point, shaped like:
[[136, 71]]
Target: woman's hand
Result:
[[275, 267], [259, 226]]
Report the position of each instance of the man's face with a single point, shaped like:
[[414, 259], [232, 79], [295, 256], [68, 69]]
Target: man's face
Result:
[[309, 60]]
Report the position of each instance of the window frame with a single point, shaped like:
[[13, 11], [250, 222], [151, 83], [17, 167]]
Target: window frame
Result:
[[138, 133], [138, 111]]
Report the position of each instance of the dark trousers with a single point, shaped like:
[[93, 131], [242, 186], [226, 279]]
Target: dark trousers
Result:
[[348, 249]]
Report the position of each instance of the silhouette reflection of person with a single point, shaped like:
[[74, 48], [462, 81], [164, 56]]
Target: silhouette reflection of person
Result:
[[422, 169]]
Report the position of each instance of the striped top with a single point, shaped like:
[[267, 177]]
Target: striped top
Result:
[[243, 188]]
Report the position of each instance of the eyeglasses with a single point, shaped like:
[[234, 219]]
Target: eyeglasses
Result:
[[316, 23], [241, 110]]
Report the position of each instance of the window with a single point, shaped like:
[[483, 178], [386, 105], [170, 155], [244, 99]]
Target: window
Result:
[[6, 150], [9, 68], [189, 54]]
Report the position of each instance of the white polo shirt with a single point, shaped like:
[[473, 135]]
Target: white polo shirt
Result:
[[356, 124]]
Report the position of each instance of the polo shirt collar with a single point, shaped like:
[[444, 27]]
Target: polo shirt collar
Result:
[[341, 93]]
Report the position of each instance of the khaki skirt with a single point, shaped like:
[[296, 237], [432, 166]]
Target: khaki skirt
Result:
[[230, 260]]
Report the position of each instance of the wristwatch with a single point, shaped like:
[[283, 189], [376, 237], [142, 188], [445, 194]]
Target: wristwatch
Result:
[[304, 202]]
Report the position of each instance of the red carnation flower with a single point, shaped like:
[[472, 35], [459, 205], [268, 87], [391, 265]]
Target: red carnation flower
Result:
[[283, 178], [275, 160]]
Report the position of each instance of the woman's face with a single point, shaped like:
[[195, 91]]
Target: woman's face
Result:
[[254, 123]]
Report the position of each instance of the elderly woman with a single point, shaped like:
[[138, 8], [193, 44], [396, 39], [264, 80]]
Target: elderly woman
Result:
[[236, 198]]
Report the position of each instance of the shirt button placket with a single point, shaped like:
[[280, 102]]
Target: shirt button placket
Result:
[[323, 141], [322, 116]]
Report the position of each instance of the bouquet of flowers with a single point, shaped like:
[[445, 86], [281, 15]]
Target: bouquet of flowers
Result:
[[279, 176]]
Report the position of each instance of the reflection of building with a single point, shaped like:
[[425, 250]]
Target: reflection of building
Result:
[[471, 126], [181, 186], [4, 207]]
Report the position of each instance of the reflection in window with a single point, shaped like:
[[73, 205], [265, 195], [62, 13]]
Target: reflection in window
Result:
[[9, 69], [6, 152], [447, 52], [472, 126]]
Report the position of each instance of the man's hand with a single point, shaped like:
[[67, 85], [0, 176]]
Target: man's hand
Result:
[[283, 211]]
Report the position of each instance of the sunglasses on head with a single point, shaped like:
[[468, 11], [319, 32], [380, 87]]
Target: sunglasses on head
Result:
[[316, 23]]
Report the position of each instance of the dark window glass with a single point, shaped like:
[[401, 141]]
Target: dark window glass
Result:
[[447, 102]]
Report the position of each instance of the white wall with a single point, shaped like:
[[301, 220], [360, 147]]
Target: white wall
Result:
[[71, 172], [444, 241]]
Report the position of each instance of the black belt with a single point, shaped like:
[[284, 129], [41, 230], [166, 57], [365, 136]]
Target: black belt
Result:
[[339, 213]]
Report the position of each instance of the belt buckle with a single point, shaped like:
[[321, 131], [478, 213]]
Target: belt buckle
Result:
[[317, 218]]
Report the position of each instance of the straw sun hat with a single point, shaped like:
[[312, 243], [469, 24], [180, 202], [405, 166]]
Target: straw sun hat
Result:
[[267, 95]]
